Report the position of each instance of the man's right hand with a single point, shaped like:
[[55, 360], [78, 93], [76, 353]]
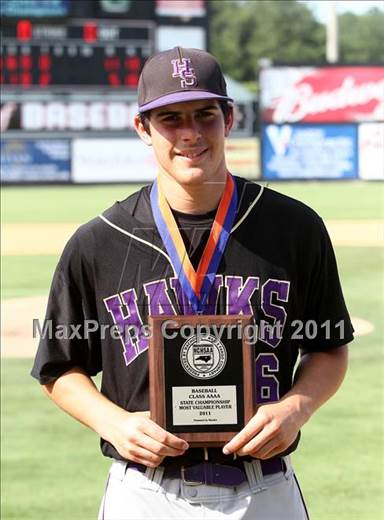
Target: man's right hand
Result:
[[141, 440], [133, 434]]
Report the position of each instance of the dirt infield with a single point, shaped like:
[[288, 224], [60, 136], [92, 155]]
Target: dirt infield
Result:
[[35, 239], [17, 325], [49, 239], [357, 233]]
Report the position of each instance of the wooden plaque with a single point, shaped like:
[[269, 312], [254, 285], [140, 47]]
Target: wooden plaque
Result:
[[201, 377]]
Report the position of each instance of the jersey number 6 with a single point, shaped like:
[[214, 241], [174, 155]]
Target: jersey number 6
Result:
[[267, 384]]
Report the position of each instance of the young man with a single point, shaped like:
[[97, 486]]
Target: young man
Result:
[[148, 255]]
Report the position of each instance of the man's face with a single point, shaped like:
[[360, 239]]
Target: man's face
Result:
[[188, 140]]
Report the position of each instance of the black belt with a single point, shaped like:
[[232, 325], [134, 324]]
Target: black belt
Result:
[[231, 473]]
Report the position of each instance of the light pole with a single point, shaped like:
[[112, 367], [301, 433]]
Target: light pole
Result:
[[332, 44]]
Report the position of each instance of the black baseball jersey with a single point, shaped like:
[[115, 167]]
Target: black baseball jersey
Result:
[[278, 265]]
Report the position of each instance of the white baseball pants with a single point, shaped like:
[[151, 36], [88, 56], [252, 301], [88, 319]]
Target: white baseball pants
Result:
[[131, 495]]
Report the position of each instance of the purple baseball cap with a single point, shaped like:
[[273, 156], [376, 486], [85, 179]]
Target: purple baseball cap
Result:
[[178, 75]]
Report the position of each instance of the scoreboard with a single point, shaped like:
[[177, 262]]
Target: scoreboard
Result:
[[91, 52], [63, 45]]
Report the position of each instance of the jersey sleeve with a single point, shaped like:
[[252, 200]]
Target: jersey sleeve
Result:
[[67, 337], [326, 322]]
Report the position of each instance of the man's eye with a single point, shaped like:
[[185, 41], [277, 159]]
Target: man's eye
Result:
[[205, 113], [170, 119]]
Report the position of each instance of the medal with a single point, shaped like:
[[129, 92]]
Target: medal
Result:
[[195, 284]]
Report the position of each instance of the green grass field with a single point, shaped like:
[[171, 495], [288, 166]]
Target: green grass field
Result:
[[80, 203], [51, 466]]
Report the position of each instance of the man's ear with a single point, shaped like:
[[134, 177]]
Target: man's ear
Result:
[[229, 122], [141, 131]]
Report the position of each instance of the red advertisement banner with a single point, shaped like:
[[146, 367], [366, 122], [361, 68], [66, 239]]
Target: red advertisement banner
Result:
[[322, 94]]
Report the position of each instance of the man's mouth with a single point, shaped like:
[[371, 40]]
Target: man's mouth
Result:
[[192, 154]]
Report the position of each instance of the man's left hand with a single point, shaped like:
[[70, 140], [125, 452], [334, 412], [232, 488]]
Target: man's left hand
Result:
[[271, 431]]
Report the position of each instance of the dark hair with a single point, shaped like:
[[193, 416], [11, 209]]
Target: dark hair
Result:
[[225, 106]]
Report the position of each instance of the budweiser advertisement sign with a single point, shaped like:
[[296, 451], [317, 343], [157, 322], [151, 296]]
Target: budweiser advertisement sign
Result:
[[322, 94]]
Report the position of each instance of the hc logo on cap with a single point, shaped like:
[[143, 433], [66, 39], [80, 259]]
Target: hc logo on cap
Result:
[[182, 69]]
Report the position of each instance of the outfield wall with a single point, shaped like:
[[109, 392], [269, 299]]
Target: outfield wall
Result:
[[101, 160]]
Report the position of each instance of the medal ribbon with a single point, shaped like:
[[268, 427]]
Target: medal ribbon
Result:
[[195, 284]]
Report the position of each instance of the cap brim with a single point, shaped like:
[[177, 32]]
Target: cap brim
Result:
[[180, 97]]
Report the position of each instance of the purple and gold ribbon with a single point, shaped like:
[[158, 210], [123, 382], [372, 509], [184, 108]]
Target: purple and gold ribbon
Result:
[[195, 284]]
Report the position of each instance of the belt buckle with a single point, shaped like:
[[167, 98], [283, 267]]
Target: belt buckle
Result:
[[189, 482]]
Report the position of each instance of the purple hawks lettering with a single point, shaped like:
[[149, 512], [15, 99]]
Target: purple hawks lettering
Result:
[[124, 309]]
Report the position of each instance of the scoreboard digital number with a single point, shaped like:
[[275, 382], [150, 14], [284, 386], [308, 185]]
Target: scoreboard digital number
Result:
[[87, 53]]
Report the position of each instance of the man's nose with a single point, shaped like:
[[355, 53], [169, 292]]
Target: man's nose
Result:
[[190, 130]]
